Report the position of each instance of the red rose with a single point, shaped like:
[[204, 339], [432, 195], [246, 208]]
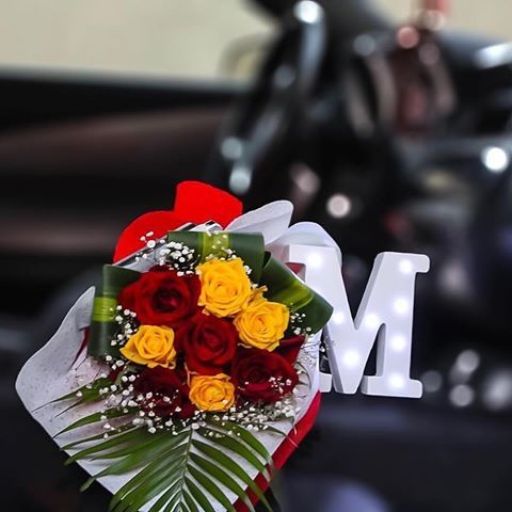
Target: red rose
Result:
[[289, 348], [209, 343], [264, 376], [169, 392], [161, 297]]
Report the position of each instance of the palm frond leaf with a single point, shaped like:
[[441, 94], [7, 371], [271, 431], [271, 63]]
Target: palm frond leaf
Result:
[[96, 418], [176, 471]]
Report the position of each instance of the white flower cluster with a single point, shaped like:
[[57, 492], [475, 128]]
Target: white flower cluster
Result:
[[177, 256], [297, 324], [128, 325]]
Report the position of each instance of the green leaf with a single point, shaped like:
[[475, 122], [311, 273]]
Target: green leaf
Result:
[[119, 430], [148, 442], [95, 418], [216, 472], [233, 467], [166, 461], [179, 471], [166, 497], [138, 481], [133, 461], [90, 392], [236, 446], [199, 496], [174, 503], [248, 246], [103, 324], [248, 438], [210, 486], [191, 504], [286, 288], [158, 475], [122, 439], [168, 450]]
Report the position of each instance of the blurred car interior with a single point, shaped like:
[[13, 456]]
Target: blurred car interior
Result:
[[392, 132]]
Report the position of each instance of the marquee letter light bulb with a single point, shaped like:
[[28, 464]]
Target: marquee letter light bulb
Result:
[[384, 318]]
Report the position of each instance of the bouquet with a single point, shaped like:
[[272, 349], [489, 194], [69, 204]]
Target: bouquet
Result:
[[191, 370]]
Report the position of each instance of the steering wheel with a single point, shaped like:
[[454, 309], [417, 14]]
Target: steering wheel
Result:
[[262, 120]]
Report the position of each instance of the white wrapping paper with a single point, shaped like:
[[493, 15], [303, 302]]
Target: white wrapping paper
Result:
[[54, 371]]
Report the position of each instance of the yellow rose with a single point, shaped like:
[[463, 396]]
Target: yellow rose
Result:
[[214, 393], [151, 346], [225, 287], [262, 324]]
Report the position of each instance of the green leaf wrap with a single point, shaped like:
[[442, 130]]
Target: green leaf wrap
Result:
[[249, 247], [285, 287], [282, 284], [103, 324]]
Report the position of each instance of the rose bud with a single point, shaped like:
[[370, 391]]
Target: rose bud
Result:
[[209, 344], [169, 392], [263, 376], [161, 297]]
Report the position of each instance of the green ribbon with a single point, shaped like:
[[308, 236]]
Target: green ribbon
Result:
[[282, 284], [103, 324], [249, 247], [285, 287]]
